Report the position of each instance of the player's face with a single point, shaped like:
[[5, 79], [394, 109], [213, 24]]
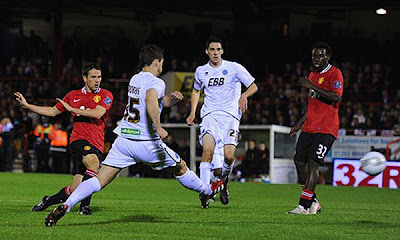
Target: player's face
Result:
[[159, 66], [319, 58], [92, 81], [214, 52]]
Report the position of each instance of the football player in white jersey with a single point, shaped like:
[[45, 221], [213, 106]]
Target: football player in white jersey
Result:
[[223, 106], [139, 137]]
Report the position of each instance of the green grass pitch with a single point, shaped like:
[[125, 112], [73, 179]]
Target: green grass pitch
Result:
[[132, 208]]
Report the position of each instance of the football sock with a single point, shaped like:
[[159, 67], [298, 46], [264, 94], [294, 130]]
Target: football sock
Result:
[[205, 172], [227, 169], [86, 188], [314, 197], [191, 181], [306, 198], [88, 174], [59, 197]]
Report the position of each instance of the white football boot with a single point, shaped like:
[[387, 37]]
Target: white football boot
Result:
[[300, 210], [315, 207]]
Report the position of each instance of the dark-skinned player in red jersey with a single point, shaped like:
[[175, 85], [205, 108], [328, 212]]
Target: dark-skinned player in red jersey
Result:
[[320, 125], [89, 107]]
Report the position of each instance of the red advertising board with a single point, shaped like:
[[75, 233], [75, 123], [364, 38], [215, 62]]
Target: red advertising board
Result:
[[347, 172]]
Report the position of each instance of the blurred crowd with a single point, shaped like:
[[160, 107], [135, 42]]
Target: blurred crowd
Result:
[[371, 99]]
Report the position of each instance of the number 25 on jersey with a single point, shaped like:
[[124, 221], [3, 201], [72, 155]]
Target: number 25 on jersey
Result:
[[132, 114]]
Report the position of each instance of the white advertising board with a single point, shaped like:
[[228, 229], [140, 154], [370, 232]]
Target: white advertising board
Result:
[[354, 147], [347, 172]]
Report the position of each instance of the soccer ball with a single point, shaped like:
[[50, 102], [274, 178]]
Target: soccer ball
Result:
[[373, 163]]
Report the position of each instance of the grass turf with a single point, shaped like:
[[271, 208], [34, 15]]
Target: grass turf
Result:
[[162, 209]]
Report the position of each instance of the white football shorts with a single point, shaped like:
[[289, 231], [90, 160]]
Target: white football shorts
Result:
[[156, 154], [222, 126]]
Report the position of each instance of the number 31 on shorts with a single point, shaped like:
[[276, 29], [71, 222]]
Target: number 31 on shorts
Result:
[[321, 151]]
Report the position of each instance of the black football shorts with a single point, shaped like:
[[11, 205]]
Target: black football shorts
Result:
[[79, 149], [313, 147]]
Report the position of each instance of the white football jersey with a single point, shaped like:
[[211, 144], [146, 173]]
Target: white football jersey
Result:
[[222, 87], [136, 124]]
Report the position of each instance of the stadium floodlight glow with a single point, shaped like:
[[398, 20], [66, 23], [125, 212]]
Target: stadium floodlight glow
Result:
[[381, 11]]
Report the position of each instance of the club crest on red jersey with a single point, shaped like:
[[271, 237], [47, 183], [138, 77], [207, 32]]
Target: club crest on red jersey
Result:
[[96, 99], [321, 80]]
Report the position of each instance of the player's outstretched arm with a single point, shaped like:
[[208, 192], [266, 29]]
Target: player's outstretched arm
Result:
[[96, 113], [42, 110], [152, 110], [328, 95], [194, 101], [243, 99], [172, 99]]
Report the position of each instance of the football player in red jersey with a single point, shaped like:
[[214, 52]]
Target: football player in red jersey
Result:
[[320, 125], [89, 107]]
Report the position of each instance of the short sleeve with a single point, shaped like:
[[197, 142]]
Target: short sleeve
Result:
[[336, 82], [243, 75], [197, 82], [159, 86], [66, 99], [107, 100]]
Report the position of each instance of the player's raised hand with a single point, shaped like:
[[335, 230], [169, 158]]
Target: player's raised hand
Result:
[[176, 95], [303, 81], [66, 105], [190, 120], [243, 103], [21, 99], [162, 132]]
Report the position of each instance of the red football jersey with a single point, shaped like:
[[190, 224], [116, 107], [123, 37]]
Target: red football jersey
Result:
[[322, 116], [90, 129]]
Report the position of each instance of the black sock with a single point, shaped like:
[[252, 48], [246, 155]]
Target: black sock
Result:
[[88, 175], [59, 197], [314, 197], [305, 203]]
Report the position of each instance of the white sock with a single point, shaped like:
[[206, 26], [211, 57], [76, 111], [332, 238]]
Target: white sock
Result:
[[227, 169], [191, 181], [86, 188], [205, 172]]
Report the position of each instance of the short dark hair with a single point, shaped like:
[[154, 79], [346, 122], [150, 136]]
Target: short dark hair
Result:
[[213, 39], [323, 45], [149, 53], [89, 66]]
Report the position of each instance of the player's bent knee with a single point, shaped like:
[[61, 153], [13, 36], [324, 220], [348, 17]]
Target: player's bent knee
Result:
[[229, 159], [314, 164], [91, 161]]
